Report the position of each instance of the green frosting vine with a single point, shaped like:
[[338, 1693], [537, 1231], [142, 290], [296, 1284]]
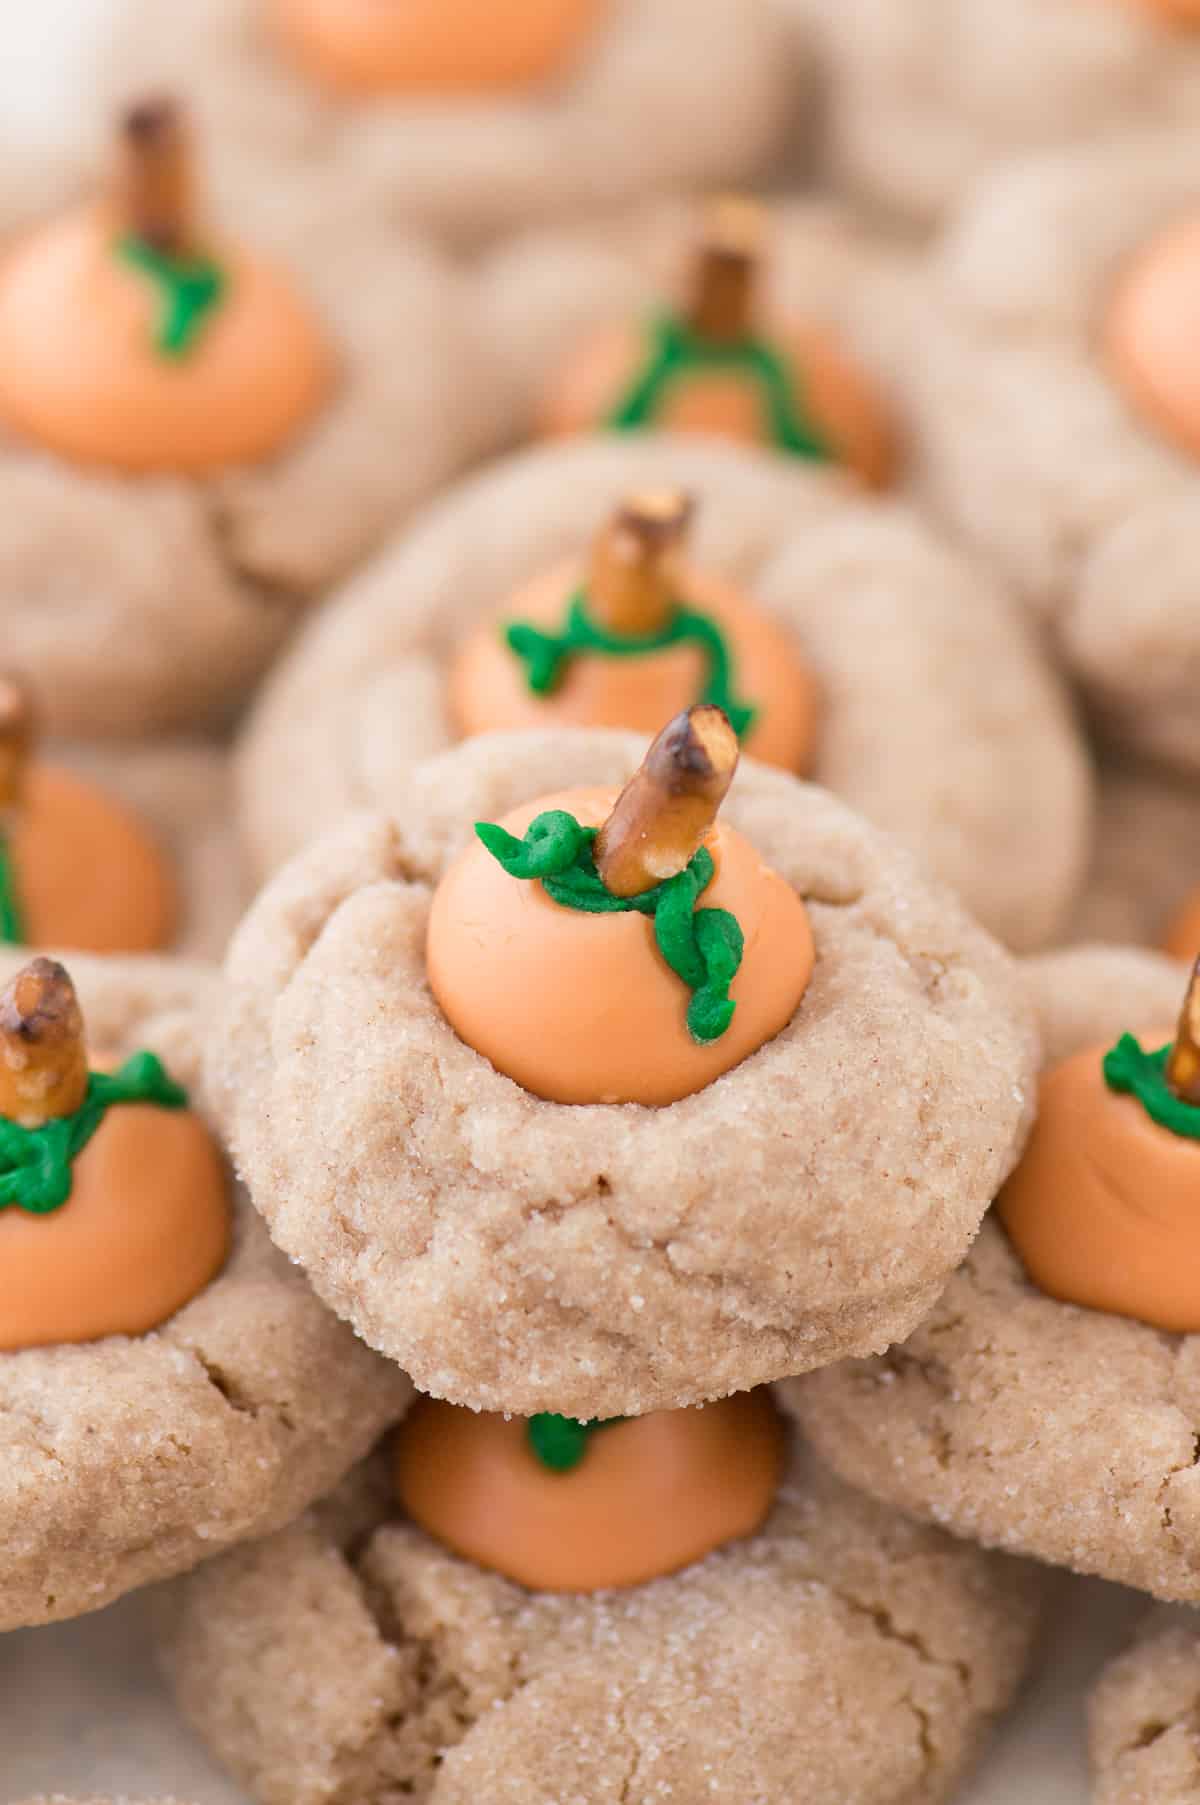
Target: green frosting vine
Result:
[[701, 946], [560, 1442], [191, 287], [36, 1163], [676, 351], [546, 655], [1128, 1068], [12, 927]]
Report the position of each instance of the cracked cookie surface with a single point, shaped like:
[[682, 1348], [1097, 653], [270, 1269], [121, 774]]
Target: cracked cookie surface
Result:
[[127, 1460], [350, 1659], [1021, 1422], [1144, 1718], [519, 1255]]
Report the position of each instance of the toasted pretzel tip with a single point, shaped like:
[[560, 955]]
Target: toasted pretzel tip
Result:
[[18, 726], [669, 805], [1183, 1061], [43, 1058], [152, 187], [633, 580], [728, 259]]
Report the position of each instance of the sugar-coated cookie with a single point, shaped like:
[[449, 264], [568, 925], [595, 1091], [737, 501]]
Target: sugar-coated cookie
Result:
[[1142, 1718], [1044, 1426], [634, 97], [923, 98], [1050, 390], [986, 779], [130, 1457], [196, 441], [1144, 879], [515, 1254], [351, 1655]]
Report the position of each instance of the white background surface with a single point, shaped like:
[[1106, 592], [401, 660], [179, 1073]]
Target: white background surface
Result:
[[80, 1705]]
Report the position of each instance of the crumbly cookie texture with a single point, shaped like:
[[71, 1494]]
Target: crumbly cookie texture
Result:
[[183, 791], [1146, 857], [351, 1657], [128, 1460], [60, 1799], [519, 1255], [1022, 1422], [142, 606], [1027, 448], [924, 97], [1143, 1727], [670, 95], [986, 778]]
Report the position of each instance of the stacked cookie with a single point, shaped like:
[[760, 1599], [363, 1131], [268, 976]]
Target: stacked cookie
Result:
[[642, 1256]]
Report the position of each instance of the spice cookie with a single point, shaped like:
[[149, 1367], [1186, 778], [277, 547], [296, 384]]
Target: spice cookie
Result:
[[1145, 873], [114, 849], [851, 635], [597, 1260], [195, 442], [1049, 1402], [1143, 1738], [775, 325], [172, 1388], [729, 1680], [468, 122], [1056, 419], [923, 98]]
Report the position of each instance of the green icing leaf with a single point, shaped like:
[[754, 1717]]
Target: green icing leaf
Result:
[[1128, 1068]]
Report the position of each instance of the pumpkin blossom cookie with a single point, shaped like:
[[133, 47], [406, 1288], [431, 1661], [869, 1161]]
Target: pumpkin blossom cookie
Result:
[[163, 1370], [1057, 416], [925, 98], [724, 1679], [767, 326], [561, 1036], [1063, 1353], [470, 121], [171, 400], [613, 584]]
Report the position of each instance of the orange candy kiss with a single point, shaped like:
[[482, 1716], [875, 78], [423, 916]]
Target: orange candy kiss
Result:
[[1182, 939], [82, 369], [1150, 334], [86, 875], [147, 1224], [650, 1496], [377, 47], [583, 1008], [634, 583], [1102, 1208]]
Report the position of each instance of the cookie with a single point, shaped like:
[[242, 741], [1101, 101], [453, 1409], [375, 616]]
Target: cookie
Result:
[[350, 1655], [593, 1261], [615, 115], [923, 101], [1142, 1719], [1145, 867], [1042, 430], [130, 1457], [1027, 1423], [987, 781], [208, 451]]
